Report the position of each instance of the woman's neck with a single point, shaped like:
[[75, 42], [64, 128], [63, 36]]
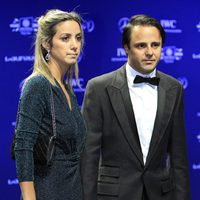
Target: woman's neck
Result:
[[57, 71]]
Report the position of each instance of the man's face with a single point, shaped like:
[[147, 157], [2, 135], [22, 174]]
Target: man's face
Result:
[[145, 48]]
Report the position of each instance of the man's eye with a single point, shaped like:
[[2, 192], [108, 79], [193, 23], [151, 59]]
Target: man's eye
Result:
[[155, 45], [140, 46]]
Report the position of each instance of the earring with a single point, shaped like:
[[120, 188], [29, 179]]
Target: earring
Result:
[[47, 57]]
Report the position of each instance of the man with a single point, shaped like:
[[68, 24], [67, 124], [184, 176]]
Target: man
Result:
[[136, 143]]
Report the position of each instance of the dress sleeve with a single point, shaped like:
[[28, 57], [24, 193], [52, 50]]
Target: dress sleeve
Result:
[[32, 105]]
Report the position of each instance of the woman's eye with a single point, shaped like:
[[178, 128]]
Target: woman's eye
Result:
[[79, 38], [64, 38]]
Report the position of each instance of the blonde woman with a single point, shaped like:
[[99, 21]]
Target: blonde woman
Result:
[[58, 44]]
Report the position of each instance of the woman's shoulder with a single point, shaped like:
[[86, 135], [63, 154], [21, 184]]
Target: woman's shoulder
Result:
[[37, 79], [36, 83]]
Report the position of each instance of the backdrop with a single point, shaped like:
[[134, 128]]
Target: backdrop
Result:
[[104, 21]]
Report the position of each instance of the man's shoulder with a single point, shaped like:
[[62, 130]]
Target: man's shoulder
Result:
[[103, 77], [106, 78], [168, 80]]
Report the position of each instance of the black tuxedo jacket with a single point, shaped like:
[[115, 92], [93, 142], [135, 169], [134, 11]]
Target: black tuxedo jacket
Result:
[[112, 164]]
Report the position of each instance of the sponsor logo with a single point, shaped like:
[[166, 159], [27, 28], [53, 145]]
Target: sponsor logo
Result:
[[120, 57], [196, 166], [13, 181], [23, 58], [198, 138], [170, 26], [170, 54], [196, 56], [88, 25], [183, 81], [24, 25], [198, 26], [29, 25], [14, 123], [122, 23], [76, 87]]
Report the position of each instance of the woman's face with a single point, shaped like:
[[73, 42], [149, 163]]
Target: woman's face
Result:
[[66, 43]]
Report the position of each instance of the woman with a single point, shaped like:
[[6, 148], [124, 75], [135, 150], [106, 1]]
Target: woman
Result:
[[58, 44]]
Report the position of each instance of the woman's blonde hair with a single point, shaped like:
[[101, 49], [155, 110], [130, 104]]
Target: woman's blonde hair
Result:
[[46, 31]]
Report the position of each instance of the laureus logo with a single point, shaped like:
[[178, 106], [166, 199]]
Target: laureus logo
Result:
[[24, 25], [170, 54]]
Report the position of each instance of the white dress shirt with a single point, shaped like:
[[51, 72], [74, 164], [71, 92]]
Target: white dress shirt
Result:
[[144, 102]]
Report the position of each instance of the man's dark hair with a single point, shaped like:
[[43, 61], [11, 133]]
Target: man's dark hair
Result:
[[141, 20]]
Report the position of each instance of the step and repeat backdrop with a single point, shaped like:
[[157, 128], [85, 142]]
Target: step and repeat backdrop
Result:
[[103, 25]]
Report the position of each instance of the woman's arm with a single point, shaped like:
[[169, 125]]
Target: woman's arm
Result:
[[28, 191], [32, 107]]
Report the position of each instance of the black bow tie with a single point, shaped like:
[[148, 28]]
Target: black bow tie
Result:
[[152, 81]]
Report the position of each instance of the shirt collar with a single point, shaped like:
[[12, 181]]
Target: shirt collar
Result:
[[131, 74]]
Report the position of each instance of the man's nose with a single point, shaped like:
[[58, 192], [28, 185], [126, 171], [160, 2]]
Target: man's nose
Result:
[[149, 51]]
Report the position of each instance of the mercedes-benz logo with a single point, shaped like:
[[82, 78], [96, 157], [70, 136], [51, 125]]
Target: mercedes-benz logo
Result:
[[122, 23]]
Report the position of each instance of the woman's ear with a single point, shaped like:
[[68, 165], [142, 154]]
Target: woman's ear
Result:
[[45, 45]]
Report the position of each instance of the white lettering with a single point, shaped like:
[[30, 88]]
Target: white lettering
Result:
[[195, 56], [194, 166], [168, 23], [19, 58], [121, 52], [13, 182], [74, 83]]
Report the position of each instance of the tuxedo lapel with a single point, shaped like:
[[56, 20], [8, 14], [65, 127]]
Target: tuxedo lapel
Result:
[[121, 102], [166, 101]]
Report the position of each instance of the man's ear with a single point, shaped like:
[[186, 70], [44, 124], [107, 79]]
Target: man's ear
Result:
[[45, 45], [126, 49]]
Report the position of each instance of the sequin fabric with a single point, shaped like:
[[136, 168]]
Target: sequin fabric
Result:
[[61, 180]]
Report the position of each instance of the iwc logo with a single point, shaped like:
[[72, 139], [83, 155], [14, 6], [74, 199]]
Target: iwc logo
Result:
[[170, 26], [120, 56]]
